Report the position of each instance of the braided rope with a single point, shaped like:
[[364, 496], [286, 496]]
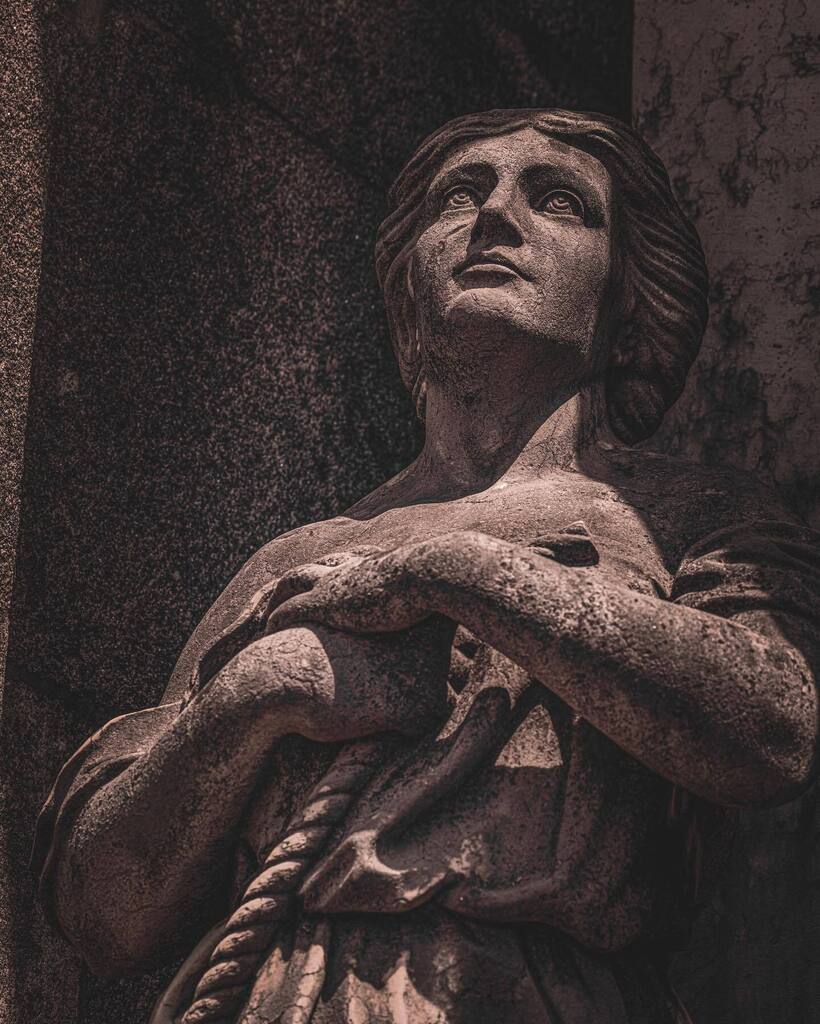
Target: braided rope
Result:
[[270, 897]]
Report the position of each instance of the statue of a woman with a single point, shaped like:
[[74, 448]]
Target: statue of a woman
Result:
[[429, 756]]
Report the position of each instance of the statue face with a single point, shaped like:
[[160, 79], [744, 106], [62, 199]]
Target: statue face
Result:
[[515, 259]]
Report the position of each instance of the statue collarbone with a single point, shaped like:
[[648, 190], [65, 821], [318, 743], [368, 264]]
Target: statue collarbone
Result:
[[649, 505]]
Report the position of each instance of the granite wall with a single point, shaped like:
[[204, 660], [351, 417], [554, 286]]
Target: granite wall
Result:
[[211, 364], [23, 148]]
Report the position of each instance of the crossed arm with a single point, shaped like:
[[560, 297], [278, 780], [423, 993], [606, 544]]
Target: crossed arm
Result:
[[721, 709], [714, 706]]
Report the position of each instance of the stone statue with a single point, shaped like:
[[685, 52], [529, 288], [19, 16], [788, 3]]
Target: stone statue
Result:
[[438, 760]]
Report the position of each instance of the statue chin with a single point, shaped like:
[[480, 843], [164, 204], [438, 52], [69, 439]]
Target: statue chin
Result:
[[502, 313], [488, 301]]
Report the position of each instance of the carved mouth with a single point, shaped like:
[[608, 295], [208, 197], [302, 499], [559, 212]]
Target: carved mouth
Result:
[[489, 262]]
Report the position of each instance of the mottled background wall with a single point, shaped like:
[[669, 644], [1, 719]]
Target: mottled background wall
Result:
[[729, 95], [210, 358], [210, 364]]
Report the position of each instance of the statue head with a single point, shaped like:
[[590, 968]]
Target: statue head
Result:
[[550, 228]]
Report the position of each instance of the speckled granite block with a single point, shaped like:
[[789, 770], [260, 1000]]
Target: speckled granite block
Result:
[[23, 145]]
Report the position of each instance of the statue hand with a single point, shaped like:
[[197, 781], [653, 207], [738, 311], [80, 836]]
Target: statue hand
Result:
[[304, 577], [391, 681], [395, 590], [375, 593]]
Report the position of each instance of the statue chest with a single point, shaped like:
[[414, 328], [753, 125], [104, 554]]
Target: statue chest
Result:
[[553, 515]]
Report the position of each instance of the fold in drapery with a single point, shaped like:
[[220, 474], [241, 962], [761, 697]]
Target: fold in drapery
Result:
[[377, 966]]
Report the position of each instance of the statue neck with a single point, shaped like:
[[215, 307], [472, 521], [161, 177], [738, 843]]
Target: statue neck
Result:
[[471, 446]]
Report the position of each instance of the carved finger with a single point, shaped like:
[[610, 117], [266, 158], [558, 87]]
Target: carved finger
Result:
[[298, 581], [295, 610], [305, 577]]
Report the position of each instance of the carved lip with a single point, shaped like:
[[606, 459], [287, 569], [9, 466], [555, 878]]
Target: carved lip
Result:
[[488, 261]]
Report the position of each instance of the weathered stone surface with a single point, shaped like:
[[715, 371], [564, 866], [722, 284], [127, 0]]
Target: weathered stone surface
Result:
[[728, 95], [207, 292], [212, 365], [394, 839], [169, 123]]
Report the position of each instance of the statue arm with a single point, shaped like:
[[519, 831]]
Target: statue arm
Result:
[[136, 842], [143, 866], [725, 710], [720, 703]]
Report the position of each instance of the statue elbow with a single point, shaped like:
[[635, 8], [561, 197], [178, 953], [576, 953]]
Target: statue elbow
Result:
[[783, 782], [113, 937], [772, 756], [108, 963], [108, 947], [781, 770]]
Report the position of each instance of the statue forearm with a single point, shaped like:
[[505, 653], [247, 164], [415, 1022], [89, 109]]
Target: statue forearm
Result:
[[151, 848], [146, 861], [704, 701]]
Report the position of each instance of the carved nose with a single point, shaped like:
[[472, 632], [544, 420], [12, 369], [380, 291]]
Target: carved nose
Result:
[[496, 224]]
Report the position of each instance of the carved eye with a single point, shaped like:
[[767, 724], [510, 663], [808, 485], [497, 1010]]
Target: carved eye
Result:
[[460, 198], [564, 204]]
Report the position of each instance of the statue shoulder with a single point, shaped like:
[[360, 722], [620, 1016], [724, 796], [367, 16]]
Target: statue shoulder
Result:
[[685, 501], [303, 544]]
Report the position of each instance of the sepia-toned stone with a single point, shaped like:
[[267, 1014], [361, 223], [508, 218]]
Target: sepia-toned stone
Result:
[[515, 840]]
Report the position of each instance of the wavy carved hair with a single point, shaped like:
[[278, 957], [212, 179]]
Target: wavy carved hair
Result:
[[660, 309]]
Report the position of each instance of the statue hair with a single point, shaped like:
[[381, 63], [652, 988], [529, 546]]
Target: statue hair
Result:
[[658, 314]]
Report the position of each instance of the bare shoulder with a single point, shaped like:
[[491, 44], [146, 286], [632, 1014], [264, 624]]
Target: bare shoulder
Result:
[[684, 501], [296, 547]]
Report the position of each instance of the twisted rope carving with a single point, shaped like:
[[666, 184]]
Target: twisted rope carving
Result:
[[249, 933]]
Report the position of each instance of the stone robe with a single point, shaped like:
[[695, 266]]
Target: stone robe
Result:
[[516, 867]]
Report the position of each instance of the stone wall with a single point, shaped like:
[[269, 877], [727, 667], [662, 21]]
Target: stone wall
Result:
[[729, 96], [23, 164], [211, 363]]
